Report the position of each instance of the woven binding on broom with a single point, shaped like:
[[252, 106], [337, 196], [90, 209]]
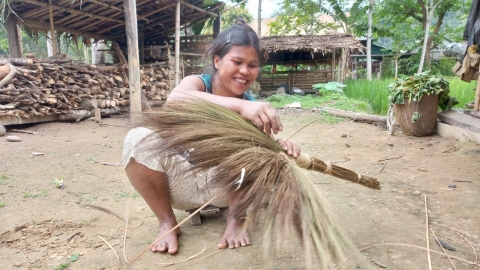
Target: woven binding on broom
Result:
[[315, 164], [274, 189]]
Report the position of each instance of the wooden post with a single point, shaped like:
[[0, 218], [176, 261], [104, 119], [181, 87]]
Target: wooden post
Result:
[[340, 64], [333, 65], [141, 41], [177, 44], [52, 28], [13, 40], [477, 95], [133, 63], [216, 25]]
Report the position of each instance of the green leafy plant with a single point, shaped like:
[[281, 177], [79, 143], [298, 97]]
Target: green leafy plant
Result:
[[415, 87], [330, 86]]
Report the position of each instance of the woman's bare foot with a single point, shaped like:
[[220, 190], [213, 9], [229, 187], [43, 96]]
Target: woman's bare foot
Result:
[[170, 241], [234, 235]]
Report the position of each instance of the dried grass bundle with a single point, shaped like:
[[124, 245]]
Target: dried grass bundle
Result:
[[274, 188]]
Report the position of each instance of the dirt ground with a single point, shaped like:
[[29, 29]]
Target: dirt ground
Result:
[[45, 227]]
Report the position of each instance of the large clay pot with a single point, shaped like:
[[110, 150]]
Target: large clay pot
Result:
[[427, 107]]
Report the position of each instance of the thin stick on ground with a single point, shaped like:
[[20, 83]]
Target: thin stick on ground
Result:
[[464, 238], [448, 257], [385, 159], [412, 246], [184, 260], [426, 235], [165, 234], [114, 252]]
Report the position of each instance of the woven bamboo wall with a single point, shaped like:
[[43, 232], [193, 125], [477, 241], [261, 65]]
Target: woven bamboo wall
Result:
[[300, 79]]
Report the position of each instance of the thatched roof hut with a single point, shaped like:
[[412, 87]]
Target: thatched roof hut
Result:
[[306, 48], [310, 59]]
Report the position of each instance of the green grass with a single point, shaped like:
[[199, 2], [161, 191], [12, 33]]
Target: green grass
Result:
[[27, 194], [62, 266], [367, 96], [376, 94], [328, 99], [2, 204], [373, 92], [3, 177], [133, 195], [463, 91]]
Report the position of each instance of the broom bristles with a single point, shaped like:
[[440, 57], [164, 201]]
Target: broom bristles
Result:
[[274, 188]]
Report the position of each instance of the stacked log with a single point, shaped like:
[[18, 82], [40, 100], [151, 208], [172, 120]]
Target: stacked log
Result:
[[30, 86]]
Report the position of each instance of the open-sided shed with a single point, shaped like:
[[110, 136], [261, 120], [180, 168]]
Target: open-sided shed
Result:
[[129, 24], [308, 59]]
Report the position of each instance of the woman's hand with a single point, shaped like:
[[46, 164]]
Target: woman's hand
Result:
[[262, 115], [291, 148]]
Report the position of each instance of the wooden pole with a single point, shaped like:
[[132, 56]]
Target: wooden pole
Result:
[[216, 25], [177, 44], [333, 65], [13, 40], [141, 41], [52, 28], [477, 95], [133, 62]]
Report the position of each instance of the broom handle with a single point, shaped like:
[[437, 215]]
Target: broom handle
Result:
[[307, 162]]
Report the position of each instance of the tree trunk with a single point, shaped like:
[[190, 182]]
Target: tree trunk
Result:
[[369, 40], [259, 19], [425, 48]]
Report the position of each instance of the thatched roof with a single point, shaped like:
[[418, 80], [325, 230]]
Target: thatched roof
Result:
[[105, 19], [299, 48]]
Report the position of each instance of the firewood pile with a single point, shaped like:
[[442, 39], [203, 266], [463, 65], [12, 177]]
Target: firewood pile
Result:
[[37, 87]]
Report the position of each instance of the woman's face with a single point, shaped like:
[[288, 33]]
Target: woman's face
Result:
[[236, 71]]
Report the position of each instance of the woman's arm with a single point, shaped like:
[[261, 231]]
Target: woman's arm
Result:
[[261, 114]]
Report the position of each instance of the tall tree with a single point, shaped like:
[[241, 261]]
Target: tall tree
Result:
[[259, 18], [371, 3], [302, 16], [409, 20], [429, 11]]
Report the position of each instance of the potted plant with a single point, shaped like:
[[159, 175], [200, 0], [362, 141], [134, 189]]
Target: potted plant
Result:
[[415, 100]]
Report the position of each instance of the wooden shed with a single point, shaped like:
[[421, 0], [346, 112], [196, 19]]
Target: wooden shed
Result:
[[303, 60], [135, 28]]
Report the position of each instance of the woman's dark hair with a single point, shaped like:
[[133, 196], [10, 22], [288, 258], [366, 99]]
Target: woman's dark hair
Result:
[[239, 34]]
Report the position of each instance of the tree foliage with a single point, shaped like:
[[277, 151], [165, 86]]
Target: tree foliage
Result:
[[303, 16], [405, 21], [230, 15]]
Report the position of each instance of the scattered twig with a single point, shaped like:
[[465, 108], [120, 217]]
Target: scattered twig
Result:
[[165, 234], [103, 209], [73, 235], [412, 246], [22, 131], [300, 130], [184, 260], [383, 167], [211, 254], [345, 160], [463, 181], [114, 252], [385, 159], [464, 238], [428, 240], [438, 241], [107, 163]]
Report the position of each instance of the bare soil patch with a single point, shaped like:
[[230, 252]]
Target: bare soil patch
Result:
[[41, 225]]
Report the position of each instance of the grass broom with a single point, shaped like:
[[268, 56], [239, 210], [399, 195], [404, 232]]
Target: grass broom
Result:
[[274, 187]]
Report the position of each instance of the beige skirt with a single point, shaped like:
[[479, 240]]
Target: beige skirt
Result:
[[188, 190]]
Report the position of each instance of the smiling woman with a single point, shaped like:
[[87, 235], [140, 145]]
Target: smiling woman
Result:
[[162, 178]]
